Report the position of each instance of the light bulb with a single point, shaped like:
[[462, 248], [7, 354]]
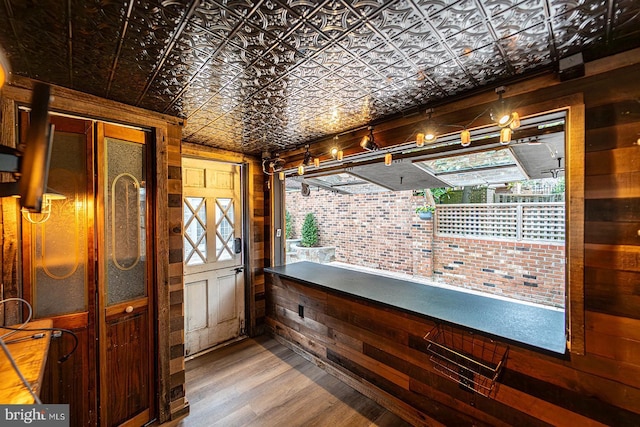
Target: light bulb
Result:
[[505, 135], [515, 123], [430, 137], [465, 138]]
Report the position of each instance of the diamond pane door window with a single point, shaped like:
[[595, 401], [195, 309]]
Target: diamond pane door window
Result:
[[224, 229], [195, 230]]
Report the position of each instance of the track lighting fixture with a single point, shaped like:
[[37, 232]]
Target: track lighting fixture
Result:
[[502, 114], [368, 143], [271, 166], [307, 157], [430, 133], [336, 152]]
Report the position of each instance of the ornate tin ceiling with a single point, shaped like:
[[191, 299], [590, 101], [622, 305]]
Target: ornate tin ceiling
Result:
[[263, 75]]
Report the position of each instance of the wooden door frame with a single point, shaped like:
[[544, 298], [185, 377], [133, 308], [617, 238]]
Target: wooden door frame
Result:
[[104, 130], [74, 322]]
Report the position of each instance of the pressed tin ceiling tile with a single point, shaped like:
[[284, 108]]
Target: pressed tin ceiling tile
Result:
[[255, 75]]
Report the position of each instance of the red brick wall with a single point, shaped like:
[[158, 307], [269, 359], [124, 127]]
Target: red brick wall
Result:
[[526, 271], [383, 231]]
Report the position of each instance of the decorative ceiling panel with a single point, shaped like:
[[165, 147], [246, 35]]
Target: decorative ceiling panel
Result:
[[256, 75]]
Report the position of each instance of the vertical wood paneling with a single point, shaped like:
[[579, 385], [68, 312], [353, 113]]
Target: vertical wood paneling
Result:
[[127, 368], [68, 381], [172, 320], [9, 312]]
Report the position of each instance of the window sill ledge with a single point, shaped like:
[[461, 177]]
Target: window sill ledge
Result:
[[520, 323]]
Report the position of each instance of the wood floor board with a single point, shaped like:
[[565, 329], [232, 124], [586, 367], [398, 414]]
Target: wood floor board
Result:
[[260, 382]]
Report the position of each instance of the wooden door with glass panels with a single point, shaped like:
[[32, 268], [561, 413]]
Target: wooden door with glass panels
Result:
[[213, 262], [59, 269], [125, 272]]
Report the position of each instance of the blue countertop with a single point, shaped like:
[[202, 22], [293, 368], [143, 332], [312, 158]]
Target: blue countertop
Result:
[[522, 323]]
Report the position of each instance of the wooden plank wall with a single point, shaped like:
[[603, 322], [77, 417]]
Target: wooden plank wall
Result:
[[382, 352], [174, 392], [170, 323]]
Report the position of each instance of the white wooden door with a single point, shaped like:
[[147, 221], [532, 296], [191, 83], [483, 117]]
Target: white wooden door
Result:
[[213, 259]]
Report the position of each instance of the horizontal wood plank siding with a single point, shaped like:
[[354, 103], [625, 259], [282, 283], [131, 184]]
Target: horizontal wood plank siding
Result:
[[384, 348]]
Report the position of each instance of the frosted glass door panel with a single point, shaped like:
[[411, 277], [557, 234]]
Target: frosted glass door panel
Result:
[[125, 214], [59, 245]]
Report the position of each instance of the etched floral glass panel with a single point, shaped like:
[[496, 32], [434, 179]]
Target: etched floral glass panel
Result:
[[125, 214], [59, 245]]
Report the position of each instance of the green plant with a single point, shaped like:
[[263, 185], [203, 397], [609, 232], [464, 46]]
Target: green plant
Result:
[[288, 228], [440, 193], [309, 231], [425, 208]]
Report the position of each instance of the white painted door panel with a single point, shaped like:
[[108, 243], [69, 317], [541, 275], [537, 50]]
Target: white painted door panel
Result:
[[214, 280]]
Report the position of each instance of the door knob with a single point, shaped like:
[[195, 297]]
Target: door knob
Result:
[[129, 309]]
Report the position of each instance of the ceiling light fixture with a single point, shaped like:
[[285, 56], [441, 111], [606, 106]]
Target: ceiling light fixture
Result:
[[307, 157], [501, 112], [388, 159], [368, 143], [334, 150], [430, 133]]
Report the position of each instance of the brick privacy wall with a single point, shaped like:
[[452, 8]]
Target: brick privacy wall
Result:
[[371, 230], [383, 231], [525, 271]]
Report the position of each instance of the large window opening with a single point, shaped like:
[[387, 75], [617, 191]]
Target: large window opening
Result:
[[486, 219]]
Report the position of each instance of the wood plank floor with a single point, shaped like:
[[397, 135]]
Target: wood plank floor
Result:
[[260, 382]]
